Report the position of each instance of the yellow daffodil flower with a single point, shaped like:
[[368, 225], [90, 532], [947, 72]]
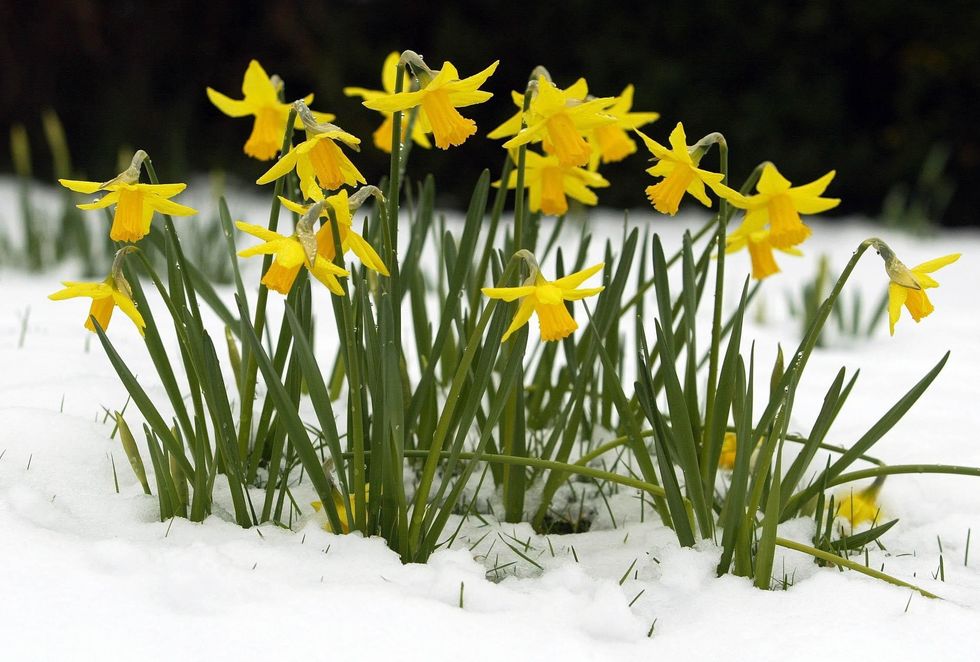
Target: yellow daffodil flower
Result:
[[113, 291], [559, 118], [261, 100], [551, 183], [290, 254], [680, 174], [729, 446], [547, 299], [338, 502], [901, 290], [382, 137], [780, 204], [860, 507], [610, 142], [135, 202], [349, 239], [438, 100], [756, 237], [319, 160]]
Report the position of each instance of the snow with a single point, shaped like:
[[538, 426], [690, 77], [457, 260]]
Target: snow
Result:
[[89, 573]]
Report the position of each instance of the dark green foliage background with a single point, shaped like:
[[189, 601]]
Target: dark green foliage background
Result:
[[864, 87]]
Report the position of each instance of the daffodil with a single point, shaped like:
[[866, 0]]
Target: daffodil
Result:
[[547, 299], [135, 202], [338, 502], [860, 507], [610, 142], [559, 118], [261, 100], [551, 184], [319, 160], [106, 295], [438, 99], [342, 205], [754, 236], [907, 287], [382, 137], [729, 445], [293, 252], [780, 204], [680, 174]]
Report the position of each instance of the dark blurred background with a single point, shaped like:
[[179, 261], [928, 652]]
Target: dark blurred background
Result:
[[883, 91]]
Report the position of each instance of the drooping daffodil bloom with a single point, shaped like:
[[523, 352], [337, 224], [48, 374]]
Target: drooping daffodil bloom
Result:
[[559, 119], [135, 202], [350, 240], [780, 204], [610, 142], [551, 184], [441, 93], [382, 136], [338, 502], [753, 235], [106, 296], [546, 299], [293, 252], [907, 287], [860, 507], [261, 99], [319, 161], [681, 174]]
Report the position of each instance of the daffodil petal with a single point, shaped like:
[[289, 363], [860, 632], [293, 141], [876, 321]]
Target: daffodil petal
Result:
[[571, 281], [507, 293]]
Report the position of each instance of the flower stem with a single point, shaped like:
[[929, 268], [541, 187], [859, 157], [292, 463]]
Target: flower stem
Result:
[[252, 367], [521, 164]]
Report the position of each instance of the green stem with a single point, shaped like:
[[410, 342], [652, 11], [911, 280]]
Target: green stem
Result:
[[519, 189], [889, 470], [850, 565], [713, 361], [248, 359]]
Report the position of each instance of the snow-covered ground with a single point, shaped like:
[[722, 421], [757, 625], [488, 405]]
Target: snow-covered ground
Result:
[[89, 573]]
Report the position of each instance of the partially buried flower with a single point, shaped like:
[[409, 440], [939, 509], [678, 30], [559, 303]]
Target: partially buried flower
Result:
[[261, 99], [106, 296], [350, 240], [135, 202], [382, 136], [681, 174], [551, 184], [319, 160], [907, 287], [546, 299], [292, 253], [860, 507], [559, 119], [780, 204], [754, 236], [442, 92]]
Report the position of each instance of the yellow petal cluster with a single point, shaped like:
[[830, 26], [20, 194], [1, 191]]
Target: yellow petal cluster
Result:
[[551, 184], [261, 99], [289, 257], [135, 204], [680, 174], [916, 301], [350, 240], [106, 296], [319, 161], [382, 136], [547, 300], [438, 100], [559, 119]]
